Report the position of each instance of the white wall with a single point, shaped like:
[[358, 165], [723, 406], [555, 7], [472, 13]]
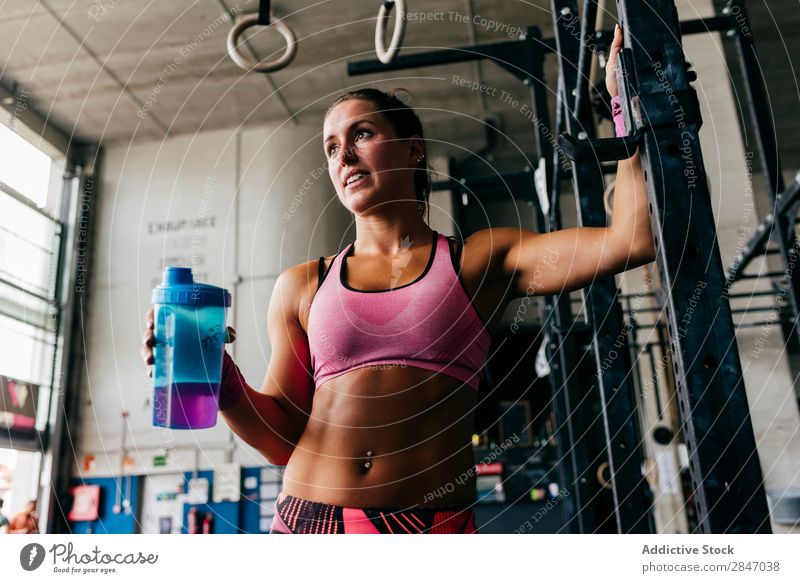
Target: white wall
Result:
[[240, 242]]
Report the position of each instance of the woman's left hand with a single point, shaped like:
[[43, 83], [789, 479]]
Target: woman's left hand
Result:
[[611, 65]]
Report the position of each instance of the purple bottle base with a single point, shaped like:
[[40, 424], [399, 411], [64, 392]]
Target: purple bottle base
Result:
[[194, 405]]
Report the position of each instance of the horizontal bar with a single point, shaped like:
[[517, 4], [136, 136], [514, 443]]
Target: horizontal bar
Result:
[[753, 294], [32, 443], [768, 275], [442, 57], [32, 325], [481, 51], [763, 323], [467, 184], [755, 309], [23, 282], [739, 325], [28, 241], [736, 311], [711, 24], [652, 294], [25, 291], [24, 200], [695, 26]]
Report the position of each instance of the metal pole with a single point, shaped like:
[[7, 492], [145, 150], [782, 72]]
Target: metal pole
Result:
[[631, 491], [724, 465]]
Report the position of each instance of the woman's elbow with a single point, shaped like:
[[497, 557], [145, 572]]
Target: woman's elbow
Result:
[[642, 252], [643, 257], [634, 259], [277, 459], [649, 253]]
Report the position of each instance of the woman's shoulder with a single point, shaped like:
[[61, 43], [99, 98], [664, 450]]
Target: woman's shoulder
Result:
[[303, 275], [481, 254], [301, 281], [297, 276]]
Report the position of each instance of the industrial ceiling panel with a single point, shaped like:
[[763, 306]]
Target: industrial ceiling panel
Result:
[[156, 67]]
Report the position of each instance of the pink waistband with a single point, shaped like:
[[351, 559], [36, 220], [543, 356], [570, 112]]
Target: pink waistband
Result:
[[299, 516]]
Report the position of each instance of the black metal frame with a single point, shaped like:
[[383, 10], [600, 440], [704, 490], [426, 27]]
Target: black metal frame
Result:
[[632, 495], [724, 468], [785, 203], [758, 243], [525, 59]]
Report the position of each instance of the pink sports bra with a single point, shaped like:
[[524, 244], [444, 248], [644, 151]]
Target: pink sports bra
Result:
[[429, 323]]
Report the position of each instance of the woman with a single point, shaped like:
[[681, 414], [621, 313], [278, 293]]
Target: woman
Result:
[[25, 521], [377, 351]]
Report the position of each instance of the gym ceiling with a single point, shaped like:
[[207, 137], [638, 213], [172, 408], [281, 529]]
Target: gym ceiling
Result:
[[90, 65]]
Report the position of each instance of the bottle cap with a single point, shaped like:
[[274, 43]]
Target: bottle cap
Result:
[[178, 287]]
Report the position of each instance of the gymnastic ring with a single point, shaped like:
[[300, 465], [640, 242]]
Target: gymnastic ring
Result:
[[386, 56], [264, 66], [601, 478]]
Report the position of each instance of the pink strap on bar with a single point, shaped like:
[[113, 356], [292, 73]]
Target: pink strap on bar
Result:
[[619, 121]]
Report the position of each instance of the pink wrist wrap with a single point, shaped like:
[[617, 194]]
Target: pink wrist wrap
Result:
[[619, 121], [232, 385]]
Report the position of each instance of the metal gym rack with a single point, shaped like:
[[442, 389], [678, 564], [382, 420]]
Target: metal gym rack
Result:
[[662, 115]]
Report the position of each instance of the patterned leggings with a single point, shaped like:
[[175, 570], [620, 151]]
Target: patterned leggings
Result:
[[299, 516]]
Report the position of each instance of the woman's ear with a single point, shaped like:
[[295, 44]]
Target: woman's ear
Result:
[[417, 150]]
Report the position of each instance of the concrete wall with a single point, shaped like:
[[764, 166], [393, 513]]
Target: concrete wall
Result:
[[223, 196]]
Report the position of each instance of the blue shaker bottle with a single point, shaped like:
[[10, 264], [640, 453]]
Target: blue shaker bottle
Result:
[[190, 332]]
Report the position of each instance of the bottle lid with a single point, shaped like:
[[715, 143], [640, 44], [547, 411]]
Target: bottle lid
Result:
[[178, 287]]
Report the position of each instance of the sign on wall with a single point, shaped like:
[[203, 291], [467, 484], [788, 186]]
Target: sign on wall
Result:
[[188, 236], [18, 401], [86, 502]]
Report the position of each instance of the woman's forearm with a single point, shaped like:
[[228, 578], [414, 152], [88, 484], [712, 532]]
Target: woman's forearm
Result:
[[257, 418], [630, 220]]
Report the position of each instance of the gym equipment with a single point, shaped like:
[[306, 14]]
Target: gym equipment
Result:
[[779, 225], [726, 479], [263, 18], [387, 55]]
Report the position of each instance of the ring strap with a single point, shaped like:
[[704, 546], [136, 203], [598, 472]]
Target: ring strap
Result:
[[264, 12]]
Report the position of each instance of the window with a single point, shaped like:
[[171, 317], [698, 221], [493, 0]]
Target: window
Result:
[[30, 237]]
